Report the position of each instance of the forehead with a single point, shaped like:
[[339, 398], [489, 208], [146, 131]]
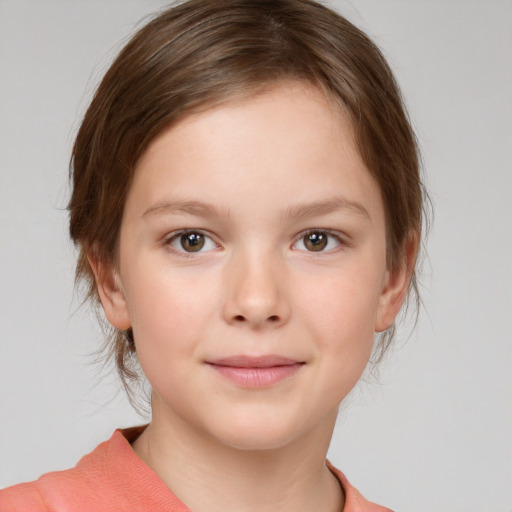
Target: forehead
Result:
[[289, 140], [251, 118], [288, 92]]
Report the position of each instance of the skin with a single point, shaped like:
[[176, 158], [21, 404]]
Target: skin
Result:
[[254, 176]]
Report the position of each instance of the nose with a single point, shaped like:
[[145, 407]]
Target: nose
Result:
[[256, 292]]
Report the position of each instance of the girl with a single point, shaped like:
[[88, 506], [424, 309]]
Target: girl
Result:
[[248, 209]]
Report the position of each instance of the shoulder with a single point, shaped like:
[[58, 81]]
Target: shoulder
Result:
[[100, 481], [354, 500], [22, 497], [59, 490]]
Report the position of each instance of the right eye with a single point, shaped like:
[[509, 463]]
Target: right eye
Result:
[[191, 241]]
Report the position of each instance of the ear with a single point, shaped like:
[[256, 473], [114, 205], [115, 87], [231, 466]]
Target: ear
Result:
[[396, 285], [110, 292]]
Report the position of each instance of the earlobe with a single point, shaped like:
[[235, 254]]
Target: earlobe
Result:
[[395, 286], [110, 292]]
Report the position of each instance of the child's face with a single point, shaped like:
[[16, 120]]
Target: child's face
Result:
[[252, 268]]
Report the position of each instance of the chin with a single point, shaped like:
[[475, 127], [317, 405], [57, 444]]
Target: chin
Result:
[[257, 441], [261, 433]]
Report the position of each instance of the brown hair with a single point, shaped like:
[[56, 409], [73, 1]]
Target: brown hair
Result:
[[203, 52]]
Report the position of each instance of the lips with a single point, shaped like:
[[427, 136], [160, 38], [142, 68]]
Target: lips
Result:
[[256, 372]]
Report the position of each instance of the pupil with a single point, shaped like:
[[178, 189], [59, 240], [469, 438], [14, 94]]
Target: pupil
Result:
[[315, 241], [192, 242]]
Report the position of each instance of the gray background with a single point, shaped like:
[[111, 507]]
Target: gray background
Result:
[[435, 433]]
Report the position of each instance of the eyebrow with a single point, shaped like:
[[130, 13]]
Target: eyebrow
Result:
[[196, 208], [303, 210], [318, 208]]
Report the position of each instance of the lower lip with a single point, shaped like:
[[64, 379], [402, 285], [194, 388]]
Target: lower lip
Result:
[[257, 377]]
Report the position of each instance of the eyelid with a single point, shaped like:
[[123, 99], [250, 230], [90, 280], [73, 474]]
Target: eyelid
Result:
[[171, 237], [340, 239]]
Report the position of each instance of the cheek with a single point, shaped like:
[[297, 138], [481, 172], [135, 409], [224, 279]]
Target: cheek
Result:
[[168, 314], [341, 316]]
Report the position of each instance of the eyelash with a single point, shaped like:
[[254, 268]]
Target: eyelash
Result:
[[339, 240], [300, 238], [178, 234]]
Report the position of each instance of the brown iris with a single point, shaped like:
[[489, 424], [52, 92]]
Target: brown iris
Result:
[[315, 241], [192, 242]]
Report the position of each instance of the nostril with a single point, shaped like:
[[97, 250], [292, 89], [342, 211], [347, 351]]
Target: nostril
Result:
[[242, 318]]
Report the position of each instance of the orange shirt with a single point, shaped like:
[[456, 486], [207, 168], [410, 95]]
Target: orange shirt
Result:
[[113, 478]]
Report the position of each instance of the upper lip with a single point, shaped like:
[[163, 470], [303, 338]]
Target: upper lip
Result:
[[266, 361]]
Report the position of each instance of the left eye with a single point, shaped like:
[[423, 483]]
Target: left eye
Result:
[[192, 241], [317, 241]]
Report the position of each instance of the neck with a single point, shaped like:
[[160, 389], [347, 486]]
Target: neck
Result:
[[209, 476]]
